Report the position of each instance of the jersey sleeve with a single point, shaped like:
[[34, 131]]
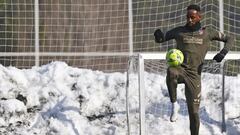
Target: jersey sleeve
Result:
[[171, 34], [219, 36]]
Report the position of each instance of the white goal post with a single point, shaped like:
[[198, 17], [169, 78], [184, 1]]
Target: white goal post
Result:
[[140, 60]]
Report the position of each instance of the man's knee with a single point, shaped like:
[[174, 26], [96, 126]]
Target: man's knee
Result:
[[194, 109], [172, 73]]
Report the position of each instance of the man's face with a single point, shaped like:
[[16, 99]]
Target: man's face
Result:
[[193, 17]]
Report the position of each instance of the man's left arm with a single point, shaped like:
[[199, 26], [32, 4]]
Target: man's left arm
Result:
[[228, 40]]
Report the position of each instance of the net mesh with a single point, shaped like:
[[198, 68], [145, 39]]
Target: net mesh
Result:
[[158, 105], [76, 27]]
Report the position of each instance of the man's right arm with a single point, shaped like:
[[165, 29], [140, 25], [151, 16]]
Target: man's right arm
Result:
[[161, 37]]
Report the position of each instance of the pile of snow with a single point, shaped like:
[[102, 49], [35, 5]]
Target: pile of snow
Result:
[[57, 99]]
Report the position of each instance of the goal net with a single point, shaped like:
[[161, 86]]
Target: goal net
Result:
[[149, 103], [150, 106], [89, 34]]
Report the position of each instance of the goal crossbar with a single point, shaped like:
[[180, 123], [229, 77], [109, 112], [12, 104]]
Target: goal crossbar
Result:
[[161, 56], [209, 56], [144, 55]]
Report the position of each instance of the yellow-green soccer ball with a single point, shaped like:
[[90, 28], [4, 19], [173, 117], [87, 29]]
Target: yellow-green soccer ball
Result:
[[174, 57]]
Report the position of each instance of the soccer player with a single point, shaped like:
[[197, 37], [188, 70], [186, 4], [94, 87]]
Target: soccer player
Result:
[[193, 40]]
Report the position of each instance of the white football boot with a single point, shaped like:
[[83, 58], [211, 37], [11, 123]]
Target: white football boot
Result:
[[174, 113]]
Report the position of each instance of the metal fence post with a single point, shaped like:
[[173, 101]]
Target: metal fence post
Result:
[[36, 27]]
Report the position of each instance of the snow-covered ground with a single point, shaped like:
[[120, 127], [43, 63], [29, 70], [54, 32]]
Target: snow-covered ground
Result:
[[57, 99]]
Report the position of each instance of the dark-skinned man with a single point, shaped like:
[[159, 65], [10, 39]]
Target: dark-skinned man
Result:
[[193, 40]]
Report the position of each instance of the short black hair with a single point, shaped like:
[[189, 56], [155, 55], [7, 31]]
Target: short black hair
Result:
[[195, 7]]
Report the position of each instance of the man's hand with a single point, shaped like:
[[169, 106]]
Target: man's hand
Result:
[[219, 56], [159, 36]]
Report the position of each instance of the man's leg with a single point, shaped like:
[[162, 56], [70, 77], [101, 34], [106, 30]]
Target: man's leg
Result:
[[194, 118], [193, 96], [172, 81], [173, 75]]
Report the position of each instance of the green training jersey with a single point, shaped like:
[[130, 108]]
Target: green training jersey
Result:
[[195, 43]]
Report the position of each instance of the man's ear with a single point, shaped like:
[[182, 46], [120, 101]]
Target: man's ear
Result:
[[200, 16]]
